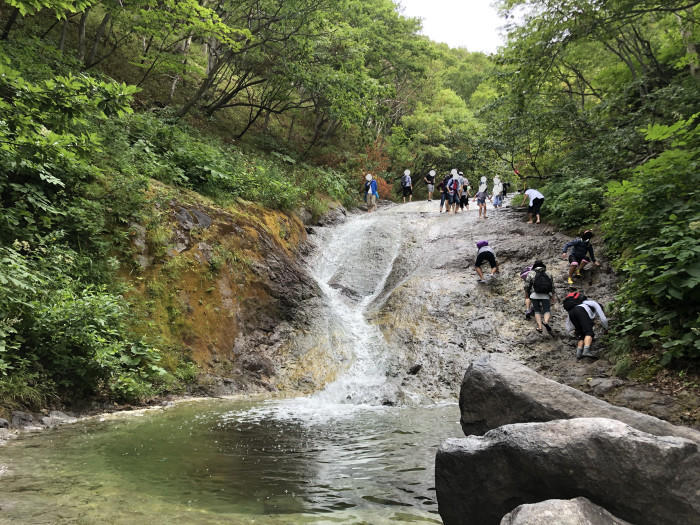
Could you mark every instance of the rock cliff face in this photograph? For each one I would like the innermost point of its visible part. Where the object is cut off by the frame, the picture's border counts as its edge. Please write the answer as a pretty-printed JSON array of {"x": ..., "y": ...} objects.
[{"x": 224, "y": 285}]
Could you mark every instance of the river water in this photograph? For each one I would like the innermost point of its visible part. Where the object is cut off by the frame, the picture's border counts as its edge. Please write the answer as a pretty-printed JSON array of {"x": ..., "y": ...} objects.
[{"x": 339, "y": 456}]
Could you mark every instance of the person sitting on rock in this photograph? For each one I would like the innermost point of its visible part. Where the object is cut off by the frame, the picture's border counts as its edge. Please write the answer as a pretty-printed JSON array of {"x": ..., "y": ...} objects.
[
  {"x": 582, "y": 313},
  {"x": 539, "y": 287},
  {"x": 485, "y": 253},
  {"x": 581, "y": 247}
]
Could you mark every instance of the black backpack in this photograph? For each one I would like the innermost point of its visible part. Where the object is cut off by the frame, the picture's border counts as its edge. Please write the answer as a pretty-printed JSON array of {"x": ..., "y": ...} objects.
[
  {"x": 542, "y": 283},
  {"x": 572, "y": 300}
]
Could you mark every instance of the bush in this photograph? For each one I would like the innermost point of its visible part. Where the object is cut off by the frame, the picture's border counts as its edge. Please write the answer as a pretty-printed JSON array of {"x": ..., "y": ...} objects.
[
  {"x": 653, "y": 229},
  {"x": 575, "y": 201}
]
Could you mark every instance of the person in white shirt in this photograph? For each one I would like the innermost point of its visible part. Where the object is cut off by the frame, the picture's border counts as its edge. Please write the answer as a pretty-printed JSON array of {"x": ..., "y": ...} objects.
[{"x": 536, "y": 200}]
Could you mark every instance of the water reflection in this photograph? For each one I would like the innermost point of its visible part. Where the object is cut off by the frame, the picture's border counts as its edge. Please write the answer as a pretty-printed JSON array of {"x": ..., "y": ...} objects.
[{"x": 233, "y": 463}]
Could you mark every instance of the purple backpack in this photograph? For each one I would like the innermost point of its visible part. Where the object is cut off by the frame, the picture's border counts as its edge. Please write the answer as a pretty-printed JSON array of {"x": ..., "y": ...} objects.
[{"x": 523, "y": 274}]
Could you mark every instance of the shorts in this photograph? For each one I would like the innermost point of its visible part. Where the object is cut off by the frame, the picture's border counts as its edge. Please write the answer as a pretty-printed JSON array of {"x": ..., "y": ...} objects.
[
  {"x": 536, "y": 205},
  {"x": 371, "y": 199},
  {"x": 464, "y": 201},
  {"x": 454, "y": 198},
  {"x": 431, "y": 188},
  {"x": 486, "y": 256},
  {"x": 480, "y": 201},
  {"x": 542, "y": 306},
  {"x": 582, "y": 323},
  {"x": 575, "y": 261},
  {"x": 407, "y": 190}
]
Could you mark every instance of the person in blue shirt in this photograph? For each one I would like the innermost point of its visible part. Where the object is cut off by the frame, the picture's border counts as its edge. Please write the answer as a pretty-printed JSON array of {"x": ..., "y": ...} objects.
[
  {"x": 581, "y": 249},
  {"x": 371, "y": 193}
]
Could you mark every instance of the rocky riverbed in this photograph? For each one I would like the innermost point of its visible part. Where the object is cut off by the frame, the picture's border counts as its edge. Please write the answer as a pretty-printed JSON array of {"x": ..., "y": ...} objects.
[{"x": 436, "y": 317}]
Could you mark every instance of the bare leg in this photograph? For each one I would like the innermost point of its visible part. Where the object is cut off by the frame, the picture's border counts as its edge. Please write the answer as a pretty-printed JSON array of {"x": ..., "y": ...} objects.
[
  {"x": 480, "y": 272},
  {"x": 538, "y": 319}
]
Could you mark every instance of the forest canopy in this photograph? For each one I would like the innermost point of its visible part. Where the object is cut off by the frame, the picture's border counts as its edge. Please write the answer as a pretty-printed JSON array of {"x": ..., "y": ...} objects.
[{"x": 284, "y": 102}]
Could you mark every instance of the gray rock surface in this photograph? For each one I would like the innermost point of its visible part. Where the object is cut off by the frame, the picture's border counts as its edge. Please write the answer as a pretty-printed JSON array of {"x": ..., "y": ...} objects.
[
  {"x": 21, "y": 419},
  {"x": 497, "y": 390},
  {"x": 4, "y": 423},
  {"x": 56, "y": 418},
  {"x": 577, "y": 511},
  {"x": 637, "y": 476}
]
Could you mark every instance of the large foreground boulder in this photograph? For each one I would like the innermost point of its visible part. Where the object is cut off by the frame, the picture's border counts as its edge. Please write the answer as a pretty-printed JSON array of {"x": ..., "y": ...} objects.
[
  {"x": 639, "y": 477},
  {"x": 577, "y": 511},
  {"x": 497, "y": 390}
]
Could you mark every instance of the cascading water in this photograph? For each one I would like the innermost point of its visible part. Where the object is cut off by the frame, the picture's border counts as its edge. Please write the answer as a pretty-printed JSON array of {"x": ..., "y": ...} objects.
[{"x": 339, "y": 456}]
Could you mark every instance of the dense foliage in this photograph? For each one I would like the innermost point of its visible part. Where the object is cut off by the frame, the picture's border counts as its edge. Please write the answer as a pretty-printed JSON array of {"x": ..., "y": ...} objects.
[{"x": 289, "y": 102}]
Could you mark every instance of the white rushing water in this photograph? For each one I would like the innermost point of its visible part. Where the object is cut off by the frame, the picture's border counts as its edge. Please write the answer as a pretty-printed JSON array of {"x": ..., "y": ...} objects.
[{"x": 351, "y": 266}]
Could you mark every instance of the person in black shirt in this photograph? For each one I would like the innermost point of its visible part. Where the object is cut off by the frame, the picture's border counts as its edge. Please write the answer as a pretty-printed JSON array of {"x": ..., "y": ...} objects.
[{"x": 430, "y": 182}]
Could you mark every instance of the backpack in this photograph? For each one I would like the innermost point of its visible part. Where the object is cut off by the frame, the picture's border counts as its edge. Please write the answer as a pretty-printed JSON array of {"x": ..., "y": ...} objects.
[
  {"x": 405, "y": 181},
  {"x": 542, "y": 283},
  {"x": 453, "y": 185},
  {"x": 523, "y": 274},
  {"x": 572, "y": 300}
]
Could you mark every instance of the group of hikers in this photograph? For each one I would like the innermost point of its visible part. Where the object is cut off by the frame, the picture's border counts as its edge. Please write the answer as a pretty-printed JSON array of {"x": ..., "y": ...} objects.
[
  {"x": 455, "y": 192},
  {"x": 540, "y": 292}
]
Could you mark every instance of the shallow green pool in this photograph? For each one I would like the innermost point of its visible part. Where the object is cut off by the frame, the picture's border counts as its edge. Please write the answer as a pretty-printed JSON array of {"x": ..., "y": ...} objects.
[{"x": 273, "y": 462}]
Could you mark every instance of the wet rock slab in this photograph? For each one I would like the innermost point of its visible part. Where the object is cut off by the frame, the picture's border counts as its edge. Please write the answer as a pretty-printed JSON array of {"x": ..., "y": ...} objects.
[
  {"x": 637, "y": 476},
  {"x": 497, "y": 390},
  {"x": 577, "y": 511}
]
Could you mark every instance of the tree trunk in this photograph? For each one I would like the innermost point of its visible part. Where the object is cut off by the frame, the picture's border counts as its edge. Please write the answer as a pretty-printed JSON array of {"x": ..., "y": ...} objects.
[
  {"x": 98, "y": 38},
  {"x": 10, "y": 22},
  {"x": 64, "y": 33},
  {"x": 82, "y": 42},
  {"x": 690, "y": 46}
]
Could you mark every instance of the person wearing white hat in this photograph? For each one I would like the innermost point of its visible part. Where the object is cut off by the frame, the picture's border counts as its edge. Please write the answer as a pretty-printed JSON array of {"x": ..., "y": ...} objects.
[
  {"x": 371, "y": 193},
  {"x": 407, "y": 185},
  {"x": 430, "y": 183}
]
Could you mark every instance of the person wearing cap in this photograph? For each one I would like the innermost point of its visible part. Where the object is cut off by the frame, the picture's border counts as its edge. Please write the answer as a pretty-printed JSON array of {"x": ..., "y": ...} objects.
[
  {"x": 480, "y": 198},
  {"x": 485, "y": 254},
  {"x": 581, "y": 248},
  {"x": 536, "y": 200},
  {"x": 430, "y": 183},
  {"x": 371, "y": 193},
  {"x": 407, "y": 185},
  {"x": 539, "y": 288},
  {"x": 464, "y": 196},
  {"x": 453, "y": 190}
]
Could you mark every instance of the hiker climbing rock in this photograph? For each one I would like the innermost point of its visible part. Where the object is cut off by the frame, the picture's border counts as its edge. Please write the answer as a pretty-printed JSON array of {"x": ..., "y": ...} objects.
[
  {"x": 453, "y": 191},
  {"x": 429, "y": 180},
  {"x": 536, "y": 200},
  {"x": 580, "y": 248},
  {"x": 485, "y": 254},
  {"x": 582, "y": 313},
  {"x": 371, "y": 194},
  {"x": 539, "y": 287},
  {"x": 407, "y": 185},
  {"x": 480, "y": 199}
]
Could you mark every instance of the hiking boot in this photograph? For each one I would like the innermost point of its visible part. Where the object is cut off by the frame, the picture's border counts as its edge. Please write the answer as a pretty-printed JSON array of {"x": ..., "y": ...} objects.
[
  {"x": 589, "y": 353},
  {"x": 570, "y": 280},
  {"x": 579, "y": 353}
]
